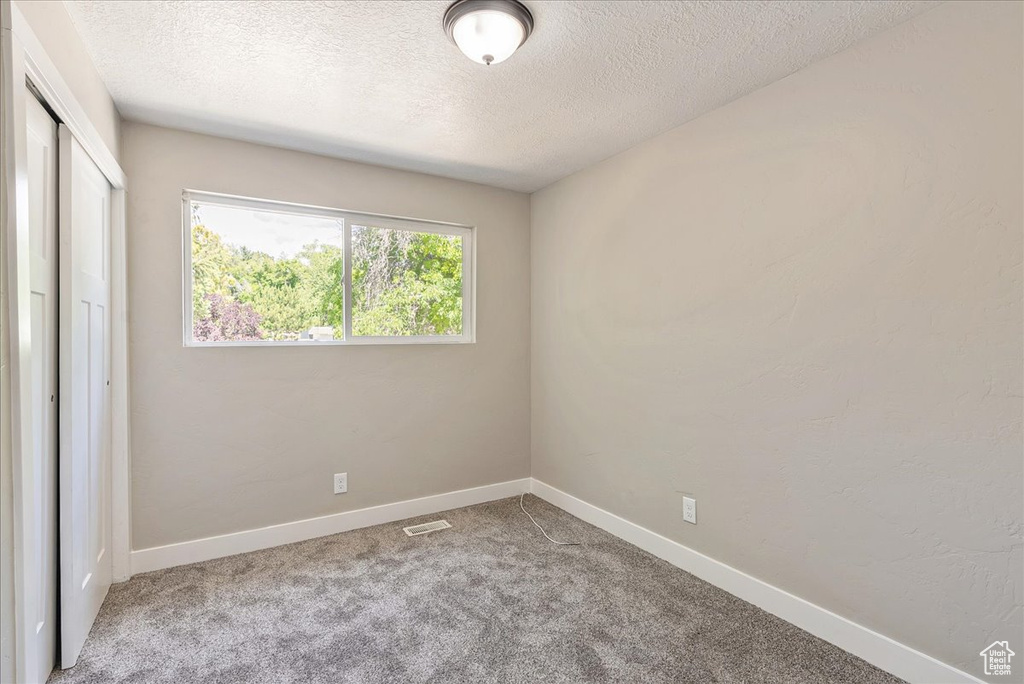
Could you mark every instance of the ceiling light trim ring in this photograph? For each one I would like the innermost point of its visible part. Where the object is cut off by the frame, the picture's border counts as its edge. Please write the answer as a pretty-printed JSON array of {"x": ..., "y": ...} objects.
[{"x": 513, "y": 8}]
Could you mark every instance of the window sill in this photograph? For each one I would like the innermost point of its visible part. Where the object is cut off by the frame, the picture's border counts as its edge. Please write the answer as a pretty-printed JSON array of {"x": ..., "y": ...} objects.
[{"x": 354, "y": 342}]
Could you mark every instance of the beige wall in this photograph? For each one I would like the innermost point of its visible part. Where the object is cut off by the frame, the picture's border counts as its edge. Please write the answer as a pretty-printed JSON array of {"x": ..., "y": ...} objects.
[
  {"x": 805, "y": 310},
  {"x": 229, "y": 439},
  {"x": 52, "y": 25}
]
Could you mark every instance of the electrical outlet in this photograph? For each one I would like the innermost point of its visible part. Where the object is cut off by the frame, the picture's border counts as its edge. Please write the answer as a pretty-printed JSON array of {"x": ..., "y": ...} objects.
[
  {"x": 340, "y": 483},
  {"x": 690, "y": 510}
]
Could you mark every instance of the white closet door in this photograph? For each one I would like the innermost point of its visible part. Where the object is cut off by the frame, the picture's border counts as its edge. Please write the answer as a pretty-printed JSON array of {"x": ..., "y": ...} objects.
[
  {"x": 85, "y": 560},
  {"x": 41, "y": 522}
]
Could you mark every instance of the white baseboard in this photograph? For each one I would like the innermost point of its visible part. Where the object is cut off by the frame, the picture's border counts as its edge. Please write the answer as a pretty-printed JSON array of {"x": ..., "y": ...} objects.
[
  {"x": 875, "y": 648},
  {"x": 159, "y": 557},
  {"x": 881, "y": 651}
]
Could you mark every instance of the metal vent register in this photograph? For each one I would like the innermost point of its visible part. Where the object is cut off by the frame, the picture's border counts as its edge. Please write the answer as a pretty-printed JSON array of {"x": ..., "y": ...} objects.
[{"x": 427, "y": 527}]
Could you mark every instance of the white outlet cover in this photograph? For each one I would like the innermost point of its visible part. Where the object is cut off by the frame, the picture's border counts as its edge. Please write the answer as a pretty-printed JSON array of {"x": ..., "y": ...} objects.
[
  {"x": 690, "y": 510},
  {"x": 340, "y": 483}
]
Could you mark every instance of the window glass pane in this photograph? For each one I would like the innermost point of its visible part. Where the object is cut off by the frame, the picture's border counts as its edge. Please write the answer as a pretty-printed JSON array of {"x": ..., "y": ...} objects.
[
  {"x": 263, "y": 275},
  {"x": 405, "y": 282}
]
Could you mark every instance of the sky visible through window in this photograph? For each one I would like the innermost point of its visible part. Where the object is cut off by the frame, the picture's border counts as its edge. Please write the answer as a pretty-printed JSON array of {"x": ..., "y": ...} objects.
[{"x": 270, "y": 232}]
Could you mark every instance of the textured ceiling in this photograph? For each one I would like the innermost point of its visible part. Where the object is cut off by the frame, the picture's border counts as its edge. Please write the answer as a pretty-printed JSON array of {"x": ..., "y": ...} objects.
[{"x": 379, "y": 82}]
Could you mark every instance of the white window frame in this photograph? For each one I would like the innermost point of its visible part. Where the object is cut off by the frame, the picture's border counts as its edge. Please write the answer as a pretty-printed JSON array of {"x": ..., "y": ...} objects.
[{"x": 348, "y": 219}]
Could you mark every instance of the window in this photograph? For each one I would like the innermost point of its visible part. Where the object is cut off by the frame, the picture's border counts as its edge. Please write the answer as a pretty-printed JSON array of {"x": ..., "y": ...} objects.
[{"x": 259, "y": 272}]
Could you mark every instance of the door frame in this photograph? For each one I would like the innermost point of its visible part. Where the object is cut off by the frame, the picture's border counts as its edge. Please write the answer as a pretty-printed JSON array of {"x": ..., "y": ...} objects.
[{"x": 22, "y": 60}]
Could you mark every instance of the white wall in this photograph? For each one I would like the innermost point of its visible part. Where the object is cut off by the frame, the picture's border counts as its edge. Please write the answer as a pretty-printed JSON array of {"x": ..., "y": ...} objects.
[
  {"x": 230, "y": 439},
  {"x": 805, "y": 310}
]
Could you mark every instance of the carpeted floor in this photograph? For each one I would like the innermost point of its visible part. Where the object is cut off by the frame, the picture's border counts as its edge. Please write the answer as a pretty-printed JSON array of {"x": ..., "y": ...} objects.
[{"x": 489, "y": 600}]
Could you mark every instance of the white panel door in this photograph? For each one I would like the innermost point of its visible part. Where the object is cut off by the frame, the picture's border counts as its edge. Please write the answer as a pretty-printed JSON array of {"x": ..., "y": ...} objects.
[
  {"x": 85, "y": 555},
  {"x": 41, "y": 519}
]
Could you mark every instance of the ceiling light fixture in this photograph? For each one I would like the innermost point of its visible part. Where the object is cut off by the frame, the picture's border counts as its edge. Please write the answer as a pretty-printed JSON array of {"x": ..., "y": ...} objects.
[{"x": 488, "y": 31}]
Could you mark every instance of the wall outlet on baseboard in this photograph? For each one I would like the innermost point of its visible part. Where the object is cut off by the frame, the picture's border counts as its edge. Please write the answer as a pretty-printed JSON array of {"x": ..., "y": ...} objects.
[
  {"x": 340, "y": 483},
  {"x": 690, "y": 509}
]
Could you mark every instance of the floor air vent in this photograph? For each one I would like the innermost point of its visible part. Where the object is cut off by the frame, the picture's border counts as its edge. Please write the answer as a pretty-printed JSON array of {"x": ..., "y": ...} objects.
[{"x": 427, "y": 527}]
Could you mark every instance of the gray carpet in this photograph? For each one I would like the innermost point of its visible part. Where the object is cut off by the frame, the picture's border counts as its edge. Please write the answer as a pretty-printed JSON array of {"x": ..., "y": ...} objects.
[{"x": 489, "y": 600}]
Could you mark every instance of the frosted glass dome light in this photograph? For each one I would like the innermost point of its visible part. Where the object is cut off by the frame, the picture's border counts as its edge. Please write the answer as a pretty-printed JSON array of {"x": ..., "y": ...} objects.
[{"x": 488, "y": 31}]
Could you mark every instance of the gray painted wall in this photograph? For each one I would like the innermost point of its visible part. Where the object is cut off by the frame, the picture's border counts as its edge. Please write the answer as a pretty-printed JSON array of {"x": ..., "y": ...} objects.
[
  {"x": 229, "y": 439},
  {"x": 805, "y": 310}
]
